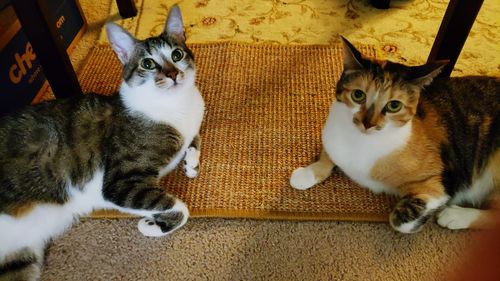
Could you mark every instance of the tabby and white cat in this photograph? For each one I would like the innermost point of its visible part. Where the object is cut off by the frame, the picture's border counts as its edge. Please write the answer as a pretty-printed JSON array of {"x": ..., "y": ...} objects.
[
  {"x": 434, "y": 142},
  {"x": 65, "y": 158}
]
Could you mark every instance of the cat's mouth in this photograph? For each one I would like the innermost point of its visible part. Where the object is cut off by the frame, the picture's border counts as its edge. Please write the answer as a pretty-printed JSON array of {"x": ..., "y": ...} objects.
[
  {"x": 366, "y": 128},
  {"x": 167, "y": 83}
]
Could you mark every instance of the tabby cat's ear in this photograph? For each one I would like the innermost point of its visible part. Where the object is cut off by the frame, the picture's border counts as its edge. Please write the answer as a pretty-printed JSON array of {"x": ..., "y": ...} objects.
[
  {"x": 121, "y": 41},
  {"x": 352, "y": 57},
  {"x": 174, "y": 26},
  {"x": 423, "y": 75}
]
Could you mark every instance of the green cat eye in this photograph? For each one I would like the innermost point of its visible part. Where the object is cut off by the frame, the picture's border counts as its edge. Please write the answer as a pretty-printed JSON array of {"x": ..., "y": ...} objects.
[
  {"x": 394, "y": 106},
  {"x": 177, "y": 55},
  {"x": 358, "y": 96},
  {"x": 148, "y": 64}
]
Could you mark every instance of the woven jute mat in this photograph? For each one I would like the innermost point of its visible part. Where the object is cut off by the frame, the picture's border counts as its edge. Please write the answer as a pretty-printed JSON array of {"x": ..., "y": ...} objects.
[{"x": 265, "y": 109}]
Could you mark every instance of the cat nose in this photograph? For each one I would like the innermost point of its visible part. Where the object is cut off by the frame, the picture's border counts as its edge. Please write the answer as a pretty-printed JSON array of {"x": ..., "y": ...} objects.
[
  {"x": 367, "y": 123},
  {"x": 170, "y": 71},
  {"x": 172, "y": 74},
  {"x": 367, "y": 119}
]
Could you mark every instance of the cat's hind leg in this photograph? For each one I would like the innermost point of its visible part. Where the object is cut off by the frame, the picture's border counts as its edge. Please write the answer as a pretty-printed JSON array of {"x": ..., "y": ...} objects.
[
  {"x": 456, "y": 217},
  {"x": 484, "y": 192},
  {"x": 23, "y": 265},
  {"x": 191, "y": 163},
  {"x": 306, "y": 177}
]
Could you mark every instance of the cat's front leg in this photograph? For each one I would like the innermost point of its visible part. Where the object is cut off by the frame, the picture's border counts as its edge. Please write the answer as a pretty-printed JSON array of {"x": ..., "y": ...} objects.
[
  {"x": 191, "y": 163},
  {"x": 306, "y": 177},
  {"x": 419, "y": 203},
  {"x": 135, "y": 192}
]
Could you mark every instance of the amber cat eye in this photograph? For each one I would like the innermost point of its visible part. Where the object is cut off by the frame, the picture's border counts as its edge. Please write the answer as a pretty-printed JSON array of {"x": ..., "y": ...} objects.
[
  {"x": 394, "y": 106},
  {"x": 148, "y": 64},
  {"x": 177, "y": 55},
  {"x": 358, "y": 96}
]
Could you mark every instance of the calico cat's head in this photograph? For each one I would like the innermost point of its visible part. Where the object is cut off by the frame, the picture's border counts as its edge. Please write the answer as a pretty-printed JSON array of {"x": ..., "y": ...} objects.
[
  {"x": 157, "y": 63},
  {"x": 379, "y": 93}
]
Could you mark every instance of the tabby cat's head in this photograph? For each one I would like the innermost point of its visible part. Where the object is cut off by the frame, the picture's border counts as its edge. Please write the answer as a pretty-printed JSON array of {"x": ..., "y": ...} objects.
[
  {"x": 381, "y": 92},
  {"x": 163, "y": 62}
]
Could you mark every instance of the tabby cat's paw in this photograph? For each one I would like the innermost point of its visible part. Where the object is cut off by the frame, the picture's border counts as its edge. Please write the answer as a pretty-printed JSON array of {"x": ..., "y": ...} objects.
[
  {"x": 455, "y": 217},
  {"x": 302, "y": 179},
  {"x": 192, "y": 162},
  {"x": 149, "y": 228},
  {"x": 164, "y": 223}
]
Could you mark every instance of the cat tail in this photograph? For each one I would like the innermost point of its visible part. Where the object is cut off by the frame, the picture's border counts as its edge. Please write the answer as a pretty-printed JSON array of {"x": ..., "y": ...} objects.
[
  {"x": 163, "y": 212},
  {"x": 23, "y": 265}
]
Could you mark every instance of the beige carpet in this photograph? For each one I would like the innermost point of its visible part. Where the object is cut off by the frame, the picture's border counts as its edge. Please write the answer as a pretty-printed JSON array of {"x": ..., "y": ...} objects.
[
  {"x": 236, "y": 249},
  {"x": 217, "y": 249}
]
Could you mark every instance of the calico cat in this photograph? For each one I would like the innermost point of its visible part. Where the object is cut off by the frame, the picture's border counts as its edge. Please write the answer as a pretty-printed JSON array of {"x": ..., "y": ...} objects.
[
  {"x": 432, "y": 141},
  {"x": 65, "y": 158}
]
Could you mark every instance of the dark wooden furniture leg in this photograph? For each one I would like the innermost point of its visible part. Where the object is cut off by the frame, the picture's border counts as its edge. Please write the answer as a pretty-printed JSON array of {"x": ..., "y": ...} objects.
[
  {"x": 455, "y": 27},
  {"x": 381, "y": 4},
  {"x": 126, "y": 8},
  {"x": 41, "y": 31}
]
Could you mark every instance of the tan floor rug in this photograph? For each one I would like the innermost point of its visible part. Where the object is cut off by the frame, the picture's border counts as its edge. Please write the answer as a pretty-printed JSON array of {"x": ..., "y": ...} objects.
[{"x": 266, "y": 105}]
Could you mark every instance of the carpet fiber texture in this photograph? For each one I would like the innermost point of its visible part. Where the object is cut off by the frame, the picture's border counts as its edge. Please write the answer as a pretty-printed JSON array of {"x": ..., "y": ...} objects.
[
  {"x": 251, "y": 250},
  {"x": 266, "y": 105}
]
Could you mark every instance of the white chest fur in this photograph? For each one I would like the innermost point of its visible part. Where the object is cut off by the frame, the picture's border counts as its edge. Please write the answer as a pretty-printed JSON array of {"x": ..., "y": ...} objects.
[
  {"x": 182, "y": 108},
  {"x": 356, "y": 152}
]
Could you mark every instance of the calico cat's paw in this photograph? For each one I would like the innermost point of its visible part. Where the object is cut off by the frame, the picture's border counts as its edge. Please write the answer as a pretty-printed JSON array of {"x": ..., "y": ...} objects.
[
  {"x": 164, "y": 223},
  {"x": 192, "y": 162},
  {"x": 302, "y": 178},
  {"x": 456, "y": 217},
  {"x": 409, "y": 215}
]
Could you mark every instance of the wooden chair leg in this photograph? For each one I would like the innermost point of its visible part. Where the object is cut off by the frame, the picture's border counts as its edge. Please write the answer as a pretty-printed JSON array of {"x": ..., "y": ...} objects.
[
  {"x": 40, "y": 29},
  {"x": 455, "y": 27},
  {"x": 381, "y": 4},
  {"x": 126, "y": 8}
]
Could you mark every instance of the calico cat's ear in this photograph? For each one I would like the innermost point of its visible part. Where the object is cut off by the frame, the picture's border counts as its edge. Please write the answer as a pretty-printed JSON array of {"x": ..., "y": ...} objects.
[
  {"x": 121, "y": 41},
  {"x": 174, "y": 26},
  {"x": 423, "y": 75},
  {"x": 352, "y": 57}
]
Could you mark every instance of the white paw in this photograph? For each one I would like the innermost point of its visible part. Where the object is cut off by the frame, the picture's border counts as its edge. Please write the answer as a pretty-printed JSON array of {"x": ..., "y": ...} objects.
[
  {"x": 302, "y": 179},
  {"x": 191, "y": 162},
  {"x": 409, "y": 227},
  {"x": 455, "y": 217},
  {"x": 149, "y": 228}
]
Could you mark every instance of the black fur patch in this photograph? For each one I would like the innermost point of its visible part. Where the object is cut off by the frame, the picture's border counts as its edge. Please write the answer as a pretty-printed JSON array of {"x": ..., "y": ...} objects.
[
  {"x": 465, "y": 105},
  {"x": 168, "y": 221}
]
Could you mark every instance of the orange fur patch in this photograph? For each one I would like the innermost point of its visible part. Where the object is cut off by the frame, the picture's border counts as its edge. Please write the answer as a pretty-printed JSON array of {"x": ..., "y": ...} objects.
[
  {"x": 22, "y": 210},
  {"x": 493, "y": 167},
  {"x": 417, "y": 168}
]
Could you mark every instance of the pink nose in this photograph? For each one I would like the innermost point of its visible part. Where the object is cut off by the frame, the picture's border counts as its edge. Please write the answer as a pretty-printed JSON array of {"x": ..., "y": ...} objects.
[{"x": 172, "y": 74}]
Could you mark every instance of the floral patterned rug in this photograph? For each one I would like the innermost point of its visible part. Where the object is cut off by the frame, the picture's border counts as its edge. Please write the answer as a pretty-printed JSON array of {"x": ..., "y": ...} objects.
[{"x": 403, "y": 33}]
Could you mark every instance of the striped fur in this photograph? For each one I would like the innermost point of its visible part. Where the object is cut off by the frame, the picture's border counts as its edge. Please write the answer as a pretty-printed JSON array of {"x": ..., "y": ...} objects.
[{"x": 62, "y": 159}]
